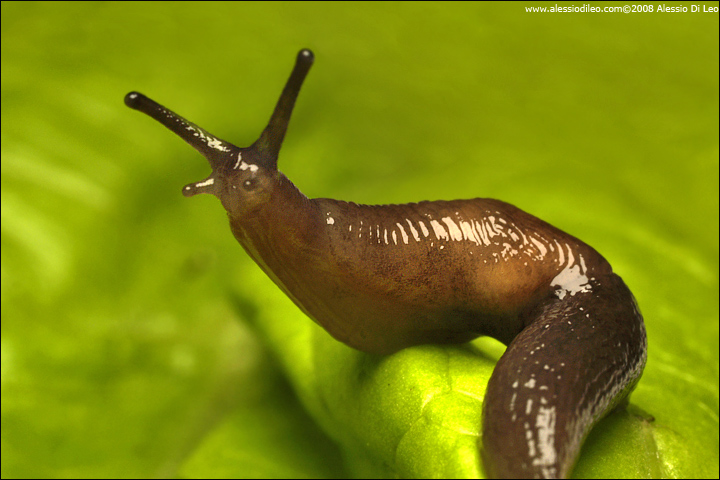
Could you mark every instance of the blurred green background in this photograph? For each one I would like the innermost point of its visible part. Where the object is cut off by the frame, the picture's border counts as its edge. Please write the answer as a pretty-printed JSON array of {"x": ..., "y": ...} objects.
[{"x": 138, "y": 339}]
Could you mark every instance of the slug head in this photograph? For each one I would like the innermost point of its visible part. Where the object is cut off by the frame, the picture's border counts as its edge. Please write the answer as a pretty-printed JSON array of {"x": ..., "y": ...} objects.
[{"x": 242, "y": 178}]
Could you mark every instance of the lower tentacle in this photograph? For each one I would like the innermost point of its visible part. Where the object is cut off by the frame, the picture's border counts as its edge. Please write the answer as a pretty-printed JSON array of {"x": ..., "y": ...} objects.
[{"x": 578, "y": 357}]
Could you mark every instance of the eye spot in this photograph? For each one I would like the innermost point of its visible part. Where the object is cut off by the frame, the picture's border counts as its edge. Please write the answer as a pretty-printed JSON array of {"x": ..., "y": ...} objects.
[{"x": 249, "y": 184}]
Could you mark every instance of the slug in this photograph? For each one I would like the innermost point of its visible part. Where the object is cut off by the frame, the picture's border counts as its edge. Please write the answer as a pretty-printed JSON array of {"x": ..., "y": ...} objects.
[{"x": 381, "y": 278}]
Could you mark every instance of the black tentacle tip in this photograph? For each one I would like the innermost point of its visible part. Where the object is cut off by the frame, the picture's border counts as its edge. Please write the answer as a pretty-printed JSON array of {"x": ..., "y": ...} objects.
[
  {"x": 190, "y": 190},
  {"x": 133, "y": 99},
  {"x": 306, "y": 56}
]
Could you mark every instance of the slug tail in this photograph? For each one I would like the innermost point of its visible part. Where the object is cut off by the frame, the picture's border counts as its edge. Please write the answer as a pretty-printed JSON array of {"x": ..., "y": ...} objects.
[{"x": 578, "y": 358}]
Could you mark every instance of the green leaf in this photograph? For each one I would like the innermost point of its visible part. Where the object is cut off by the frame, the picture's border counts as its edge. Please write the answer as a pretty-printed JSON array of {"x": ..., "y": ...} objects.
[{"x": 139, "y": 340}]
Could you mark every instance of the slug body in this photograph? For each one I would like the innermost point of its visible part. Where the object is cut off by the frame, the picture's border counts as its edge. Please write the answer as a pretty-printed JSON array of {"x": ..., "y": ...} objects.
[{"x": 384, "y": 278}]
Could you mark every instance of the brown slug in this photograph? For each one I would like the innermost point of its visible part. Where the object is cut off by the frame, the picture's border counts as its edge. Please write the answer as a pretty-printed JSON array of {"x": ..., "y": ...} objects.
[{"x": 381, "y": 278}]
